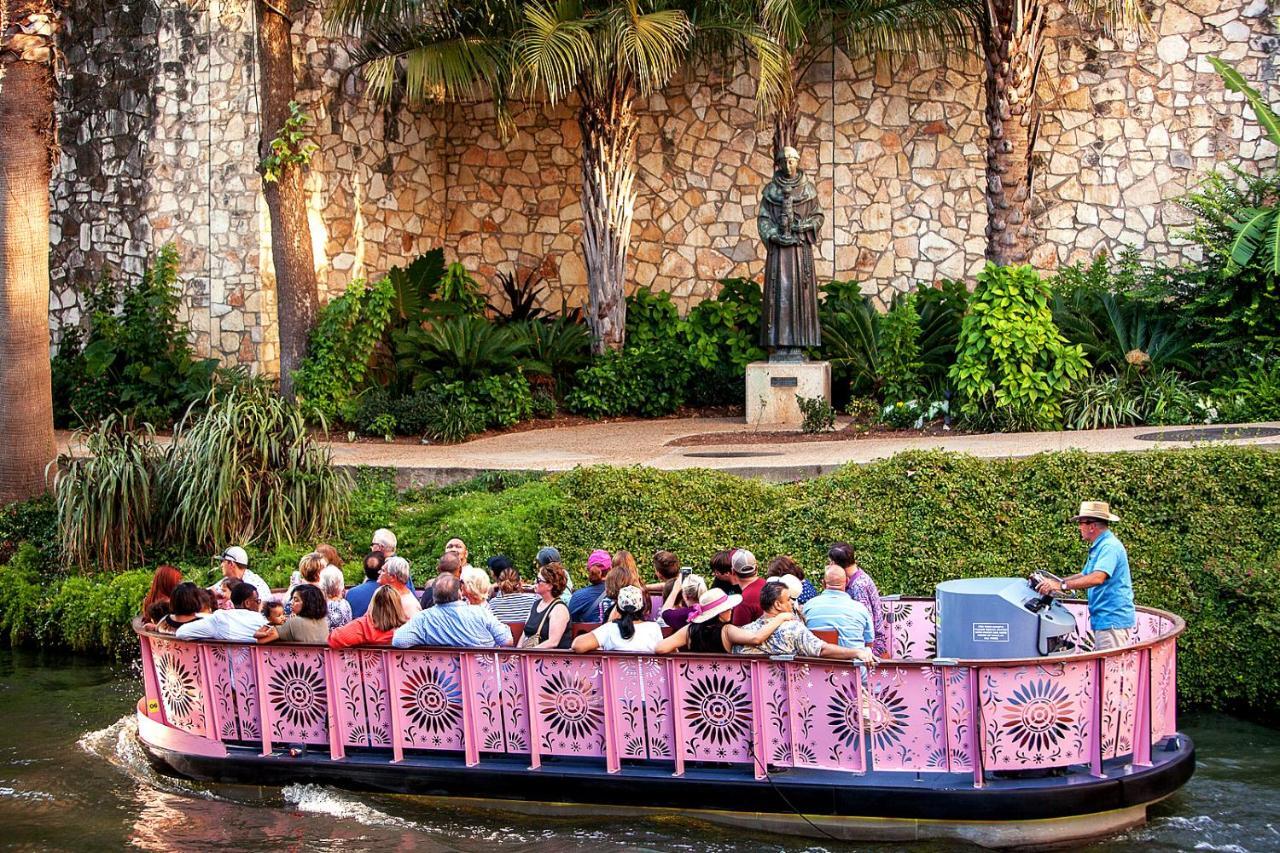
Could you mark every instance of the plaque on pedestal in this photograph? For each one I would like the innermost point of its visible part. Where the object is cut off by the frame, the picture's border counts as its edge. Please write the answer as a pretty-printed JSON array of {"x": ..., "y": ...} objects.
[{"x": 773, "y": 386}]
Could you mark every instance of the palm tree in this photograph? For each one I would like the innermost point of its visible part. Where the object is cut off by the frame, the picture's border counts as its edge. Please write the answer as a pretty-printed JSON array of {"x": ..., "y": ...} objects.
[
  {"x": 606, "y": 53},
  {"x": 1012, "y": 35},
  {"x": 296, "y": 298},
  {"x": 806, "y": 29},
  {"x": 28, "y": 149}
]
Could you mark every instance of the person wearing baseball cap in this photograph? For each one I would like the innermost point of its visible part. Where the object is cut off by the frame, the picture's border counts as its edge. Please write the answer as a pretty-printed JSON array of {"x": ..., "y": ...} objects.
[
  {"x": 1105, "y": 575},
  {"x": 235, "y": 567},
  {"x": 746, "y": 573},
  {"x": 709, "y": 630}
]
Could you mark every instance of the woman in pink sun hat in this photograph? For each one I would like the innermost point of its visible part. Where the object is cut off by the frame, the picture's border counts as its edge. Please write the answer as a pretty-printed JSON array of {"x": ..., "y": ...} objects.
[{"x": 710, "y": 632}]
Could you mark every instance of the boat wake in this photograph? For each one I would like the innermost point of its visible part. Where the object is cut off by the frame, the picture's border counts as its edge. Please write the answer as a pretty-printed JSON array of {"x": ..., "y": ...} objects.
[{"x": 118, "y": 745}]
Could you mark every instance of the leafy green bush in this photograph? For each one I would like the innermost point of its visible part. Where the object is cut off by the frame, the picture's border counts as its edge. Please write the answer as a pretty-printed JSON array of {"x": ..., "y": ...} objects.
[
  {"x": 135, "y": 359},
  {"x": 941, "y": 308},
  {"x": 816, "y": 414},
  {"x": 1251, "y": 393},
  {"x": 722, "y": 338},
  {"x": 341, "y": 347},
  {"x": 652, "y": 318},
  {"x": 505, "y": 400},
  {"x": 1102, "y": 402},
  {"x": 456, "y": 416},
  {"x": 899, "y": 343},
  {"x": 554, "y": 348},
  {"x": 646, "y": 380},
  {"x": 1013, "y": 365},
  {"x": 850, "y": 339},
  {"x": 457, "y": 349}
]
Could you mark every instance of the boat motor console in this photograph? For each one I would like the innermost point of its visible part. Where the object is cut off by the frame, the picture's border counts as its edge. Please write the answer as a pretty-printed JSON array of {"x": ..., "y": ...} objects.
[{"x": 994, "y": 618}]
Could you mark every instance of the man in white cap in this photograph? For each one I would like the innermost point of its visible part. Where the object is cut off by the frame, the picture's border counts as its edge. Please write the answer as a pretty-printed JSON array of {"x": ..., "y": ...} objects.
[
  {"x": 1105, "y": 575},
  {"x": 235, "y": 567}
]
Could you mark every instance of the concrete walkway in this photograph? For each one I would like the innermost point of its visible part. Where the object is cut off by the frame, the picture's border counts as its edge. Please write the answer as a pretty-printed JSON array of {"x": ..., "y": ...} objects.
[{"x": 647, "y": 443}]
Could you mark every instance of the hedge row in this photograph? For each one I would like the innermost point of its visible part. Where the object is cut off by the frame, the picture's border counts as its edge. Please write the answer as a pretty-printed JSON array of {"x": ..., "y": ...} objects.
[{"x": 1202, "y": 527}]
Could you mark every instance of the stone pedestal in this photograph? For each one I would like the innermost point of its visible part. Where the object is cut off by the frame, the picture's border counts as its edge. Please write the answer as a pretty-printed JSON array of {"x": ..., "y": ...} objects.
[{"x": 772, "y": 388}]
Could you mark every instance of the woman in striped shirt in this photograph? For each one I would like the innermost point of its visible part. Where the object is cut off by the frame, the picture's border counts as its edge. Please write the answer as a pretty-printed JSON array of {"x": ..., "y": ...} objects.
[{"x": 511, "y": 603}]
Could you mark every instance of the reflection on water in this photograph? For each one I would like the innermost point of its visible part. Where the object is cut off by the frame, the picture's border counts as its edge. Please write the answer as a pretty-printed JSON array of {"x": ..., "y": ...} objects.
[{"x": 72, "y": 776}]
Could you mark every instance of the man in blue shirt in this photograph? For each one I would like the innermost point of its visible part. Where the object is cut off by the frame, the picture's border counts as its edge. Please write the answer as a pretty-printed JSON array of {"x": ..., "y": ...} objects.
[
  {"x": 452, "y": 622},
  {"x": 360, "y": 596},
  {"x": 835, "y": 608},
  {"x": 1105, "y": 575}
]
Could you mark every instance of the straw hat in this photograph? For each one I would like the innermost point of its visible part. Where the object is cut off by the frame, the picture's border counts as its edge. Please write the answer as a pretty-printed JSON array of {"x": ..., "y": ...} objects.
[
  {"x": 1094, "y": 511},
  {"x": 712, "y": 603}
]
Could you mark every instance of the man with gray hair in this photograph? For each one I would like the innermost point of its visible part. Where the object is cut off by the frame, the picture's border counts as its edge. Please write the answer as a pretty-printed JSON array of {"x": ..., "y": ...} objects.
[
  {"x": 452, "y": 622},
  {"x": 395, "y": 574},
  {"x": 384, "y": 542},
  {"x": 835, "y": 608}
]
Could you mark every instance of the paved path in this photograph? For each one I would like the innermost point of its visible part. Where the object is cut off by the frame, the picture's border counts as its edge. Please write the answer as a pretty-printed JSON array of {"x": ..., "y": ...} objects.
[{"x": 646, "y": 443}]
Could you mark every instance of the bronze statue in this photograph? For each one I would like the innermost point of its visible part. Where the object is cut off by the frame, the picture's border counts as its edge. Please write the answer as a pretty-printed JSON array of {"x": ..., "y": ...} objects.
[{"x": 789, "y": 221}]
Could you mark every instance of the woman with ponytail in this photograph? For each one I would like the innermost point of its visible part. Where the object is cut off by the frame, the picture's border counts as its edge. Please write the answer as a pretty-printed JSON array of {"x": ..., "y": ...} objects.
[{"x": 629, "y": 632}]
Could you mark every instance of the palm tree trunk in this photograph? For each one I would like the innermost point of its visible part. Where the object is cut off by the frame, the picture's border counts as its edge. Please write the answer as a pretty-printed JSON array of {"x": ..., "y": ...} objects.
[
  {"x": 1013, "y": 41},
  {"x": 291, "y": 253},
  {"x": 607, "y": 119},
  {"x": 28, "y": 147},
  {"x": 785, "y": 120}
]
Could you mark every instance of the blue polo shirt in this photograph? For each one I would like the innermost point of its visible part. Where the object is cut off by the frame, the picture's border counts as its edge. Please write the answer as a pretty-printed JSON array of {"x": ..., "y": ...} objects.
[
  {"x": 1111, "y": 602},
  {"x": 835, "y": 608},
  {"x": 360, "y": 596}
]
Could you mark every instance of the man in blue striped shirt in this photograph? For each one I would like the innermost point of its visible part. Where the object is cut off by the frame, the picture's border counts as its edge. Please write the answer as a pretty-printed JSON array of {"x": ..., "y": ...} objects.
[{"x": 452, "y": 622}]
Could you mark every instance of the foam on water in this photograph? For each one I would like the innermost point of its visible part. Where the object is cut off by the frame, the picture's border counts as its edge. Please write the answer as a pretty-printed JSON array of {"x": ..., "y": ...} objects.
[
  {"x": 317, "y": 799},
  {"x": 118, "y": 744}
]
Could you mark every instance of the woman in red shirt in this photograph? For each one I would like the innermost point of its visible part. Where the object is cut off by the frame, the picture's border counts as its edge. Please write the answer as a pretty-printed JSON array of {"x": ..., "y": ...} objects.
[{"x": 375, "y": 627}]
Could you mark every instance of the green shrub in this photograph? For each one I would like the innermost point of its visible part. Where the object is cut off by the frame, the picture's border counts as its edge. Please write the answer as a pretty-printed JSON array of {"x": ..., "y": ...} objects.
[
  {"x": 1103, "y": 401},
  {"x": 135, "y": 359},
  {"x": 505, "y": 400},
  {"x": 457, "y": 349},
  {"x": 722, "y": 336},
  {"x": 1251, "y": 393},
  {"x": 1013, "y": 365},
  {"x": 341, "y": 348},
  {"x": 554, "y": 348},
  {"x": 652, "y": 318},
  {"x": 941, "y": 308},
  {"x": 899, "y": 342},
  {"x": 816, "y": 413},
  {"x": 646, "y": 380},
  {"x": 850, "y": 339},
  {"x": 456, "y": 416}
]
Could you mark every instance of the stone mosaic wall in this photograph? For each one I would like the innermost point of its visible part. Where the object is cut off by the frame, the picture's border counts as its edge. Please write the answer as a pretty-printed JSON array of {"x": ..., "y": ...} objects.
[{"x": 896, "y": 148}]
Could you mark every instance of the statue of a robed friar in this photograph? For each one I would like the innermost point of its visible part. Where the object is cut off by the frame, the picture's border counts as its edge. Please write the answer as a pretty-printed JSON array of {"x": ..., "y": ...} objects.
[{"x": 789, "y": 221}]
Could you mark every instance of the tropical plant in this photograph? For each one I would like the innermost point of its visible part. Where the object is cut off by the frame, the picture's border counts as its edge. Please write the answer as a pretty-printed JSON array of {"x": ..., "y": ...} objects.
[
  {"x": 899, "y": 347},
  {"x": 648, "y": 380},
  {"x": 652, "y": 318},
  {"x": 415, "y": 285},
  {"x": 808, "y": 29},
  {"x": 1013, "y": 365},
  {"x": 248, "y": 470},
  {"x": 554, "y": 348},
  {"x": 106, "y": 499},
  {"x": 1251, "y": 392},
  {"x": 28, "y": 152},
  {"x": 816, "y": 415},
  {"x": 459, "y": 288},
  {"x": 1119, "y": 331},
  {"x": 457, "y": 348},
  {"x": 342, "y": 346},
  {"x": 135, "y": 359},
  {"x": 941, "y": 307},
  {"x": 285, "y": 154},
  {"x": 722, "y": 338},
  {"x": 851, "y": 336},
  {"x": 605, "y": 54},
  {"x": 523, "y": 294},
  {"x": 1102, "y": 402}
]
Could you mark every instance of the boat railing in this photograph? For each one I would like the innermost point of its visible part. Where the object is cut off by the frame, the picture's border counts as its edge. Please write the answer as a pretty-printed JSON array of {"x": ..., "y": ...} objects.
[{"x": 912, "y": 713}]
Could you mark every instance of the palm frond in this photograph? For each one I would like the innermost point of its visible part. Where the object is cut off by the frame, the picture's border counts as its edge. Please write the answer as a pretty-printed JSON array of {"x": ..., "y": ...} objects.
[
  {"x": 1256, "y": 228},
  {"x": 647, "y": 47},
  {"x": 903, "y": 26},
  {"x": 773, "y": 76},
  {"x": 552, "y": 48},
  {"x": 1261, "y": 109},
  {"x": 432, "y": 64},
  {"x": 1116, "y": 16}
]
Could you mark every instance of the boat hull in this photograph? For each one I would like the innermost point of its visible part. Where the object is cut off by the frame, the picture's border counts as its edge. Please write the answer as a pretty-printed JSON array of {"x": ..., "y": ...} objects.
[{"x": 875, "y": 806}]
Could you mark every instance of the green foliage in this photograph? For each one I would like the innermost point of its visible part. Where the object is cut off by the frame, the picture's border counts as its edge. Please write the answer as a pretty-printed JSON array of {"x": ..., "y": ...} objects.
[
  {"x": 901, "y": 414},
  {"x": 457, "y": 349},
  {"x": 1013, "y": 365},
  {"x": 1251, "y": 393},
  {"x": 290, "y": 146},
  {"x": 722, "y": 338},
  {"x": 554, "y": 348},
  {"x": 135, "y": 359},
  {"x": 817, "y": 415},
  {"x": 505, "y": 400},
  {"x": 107, "y": 501},
  {"x": 414, "y": 286},
  {"x": 899, "y": 342},
  {"x": 941, "y": 308},
  {"x": 456, "y": 416},
  {"x": 457, "y": 287},
  {"x": 646, "y": 380},
  {"x": 33, "y": 521},
  {"x": 652, "y": 318},
  {"x": 248, "y": 470},
  {"x": 341, "y": 348},
  {"x": 523, "y": 296},
  {"x": 1102, "y": 402},
  {"x": 850, "y": 337},
  {"x": 863, "y": 410}
]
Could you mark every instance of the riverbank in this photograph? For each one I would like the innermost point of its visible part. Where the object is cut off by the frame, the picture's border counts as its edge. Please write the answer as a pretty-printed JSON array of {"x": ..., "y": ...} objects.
[{"x": 1202, "y": 527}]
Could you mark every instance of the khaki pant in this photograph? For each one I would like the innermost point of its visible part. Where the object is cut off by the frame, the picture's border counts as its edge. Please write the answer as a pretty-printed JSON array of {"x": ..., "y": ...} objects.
[{"x": 1111, "y": 638}]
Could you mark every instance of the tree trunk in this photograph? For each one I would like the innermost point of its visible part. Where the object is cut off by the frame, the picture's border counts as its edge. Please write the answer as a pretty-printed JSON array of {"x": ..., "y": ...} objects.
[
  {"x": 609, "y": 129},
  {"x": 28, "y": 147},
  {"x": 294, "y": 261},
  {"x": 786, "y": 118},
  {"x": 1013, "y": 41}
]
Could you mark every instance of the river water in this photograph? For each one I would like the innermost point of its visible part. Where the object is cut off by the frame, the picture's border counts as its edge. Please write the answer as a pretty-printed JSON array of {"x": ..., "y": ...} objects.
[{"x": 72, "y": 777}]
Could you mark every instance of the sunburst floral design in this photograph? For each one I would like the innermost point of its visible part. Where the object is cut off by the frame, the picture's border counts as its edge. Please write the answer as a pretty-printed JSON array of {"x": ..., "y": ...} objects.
[
  {"x": 887, "y": 717},
  {"x": 1039, "y": 715},
  {"x": 371, "y": 735},
  {"x": 432, "y": 698},
  {"x": 842, "y": 714},
  {"x": 570, "y": 705},
  {"x": 296, "y": 693},
  {"x": 938, "y": 758},
  {"x": 178, "y": 688},
  {"x": 718, "y": 709}
]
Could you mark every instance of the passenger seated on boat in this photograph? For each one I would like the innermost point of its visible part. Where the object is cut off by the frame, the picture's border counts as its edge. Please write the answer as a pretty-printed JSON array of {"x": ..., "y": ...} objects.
[
  {"x": 156, "y": 613},
  {"x": 458, "y": 548},
  {"x": 722, "y": 572},
  {"x": 162, "y": 585},
  {"x": 750, "y": 584},
  {"x": 630, "y": 633},
  {"x": 510, "y": 602},
  {"x": 184, "y": 606},
  {"x": 235, "y": 567},
  {"x": 309, "y": 569},
  {"x": 547, "y": 625},
  {"x": 792, "y": 638},
  {"x": 584, "y": 604},
  {"x": 360, "y": 596},
  {"x": 395, "y": 574},
  {"x": 334, "y": 585},
  {"x": 682, "y": 600},
  {"x": 452, "y": 622},
  {"x": 861, "y": 587},
  {"x": 834, "y": 608},
  {"x": 547, "y": 556},
  {"x": 475, "y": 586},
  {"x": 666, "y": 567},
  {"x": 791, "y": 583},
  {"x": 330, "y": 554},
  {"x": 236, "y": 625},
  {"x": 374, "y": 628},
  {"x": 785, "y": 565},
  {"x": 710, "y": 630},
  {"x": 308, "y": 624},
  {"x": 448, "y": 564},
  {"x": 209, "y": 602},
  {"x": 617, "y": 578},
  {"x": 273, "y": 612},
  {"x": 384, "y": 543}
]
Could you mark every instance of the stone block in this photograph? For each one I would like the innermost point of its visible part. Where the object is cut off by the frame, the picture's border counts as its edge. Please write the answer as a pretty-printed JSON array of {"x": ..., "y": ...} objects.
[{"x": 772, "y": 389}]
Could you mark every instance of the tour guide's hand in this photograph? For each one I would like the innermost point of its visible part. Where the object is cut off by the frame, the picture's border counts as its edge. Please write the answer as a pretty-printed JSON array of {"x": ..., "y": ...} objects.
[{"x": 1046, "y": 587}]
